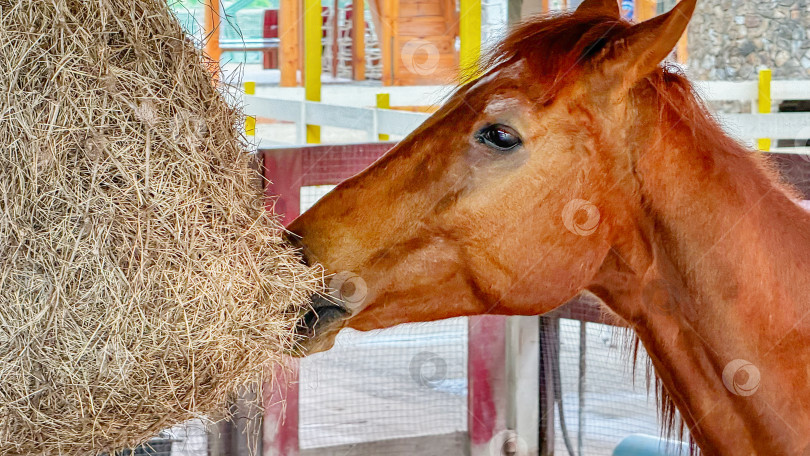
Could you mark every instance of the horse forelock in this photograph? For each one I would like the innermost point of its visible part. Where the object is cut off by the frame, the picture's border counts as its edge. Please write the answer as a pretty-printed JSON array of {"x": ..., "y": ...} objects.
[{"x": 555, "y": 48}]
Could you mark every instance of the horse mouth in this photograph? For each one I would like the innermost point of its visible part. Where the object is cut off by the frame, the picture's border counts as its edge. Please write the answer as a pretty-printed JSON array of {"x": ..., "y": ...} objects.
[{"x": 316, "y": 330}]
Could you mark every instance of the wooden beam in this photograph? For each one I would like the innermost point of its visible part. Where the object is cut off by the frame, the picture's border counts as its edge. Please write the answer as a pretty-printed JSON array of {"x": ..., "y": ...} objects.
[
  {"x": 358, "y": 40},
  {"x": 211, "y": 27},
  {"x": 290, "y": 41}
]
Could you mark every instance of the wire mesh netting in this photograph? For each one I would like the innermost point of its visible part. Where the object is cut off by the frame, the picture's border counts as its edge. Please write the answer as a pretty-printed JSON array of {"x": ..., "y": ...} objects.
[
  {"x": 603, "y": 398},
  {"x": 401, "y": 382},
  {"x": 411, "y": 381}
]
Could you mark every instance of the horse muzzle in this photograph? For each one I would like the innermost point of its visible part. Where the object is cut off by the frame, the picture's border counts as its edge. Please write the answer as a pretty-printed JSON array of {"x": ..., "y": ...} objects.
[{"x": 316, "y": 330}]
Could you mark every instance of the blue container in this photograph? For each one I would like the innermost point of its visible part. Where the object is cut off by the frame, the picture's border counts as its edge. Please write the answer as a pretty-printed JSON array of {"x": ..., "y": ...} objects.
[{"x": 648, "y": 445}]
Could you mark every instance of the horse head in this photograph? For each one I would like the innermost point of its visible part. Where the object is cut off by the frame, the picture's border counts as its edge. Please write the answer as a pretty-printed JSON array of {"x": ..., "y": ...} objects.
[{"x": 511, "y": 197}]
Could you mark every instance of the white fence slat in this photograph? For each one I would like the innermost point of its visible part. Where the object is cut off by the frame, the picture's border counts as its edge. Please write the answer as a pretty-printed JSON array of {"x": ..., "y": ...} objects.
[
  {"x": 339, "y": 116},
  {"x": 790, "y": 90},
  {"x": 402, "y": 123},
  {"x": 388, "y": 121},
  {"x": 727, "y": 90},
  {"x": 781, "y": 125},
  {"x": 289, "y": 110}
]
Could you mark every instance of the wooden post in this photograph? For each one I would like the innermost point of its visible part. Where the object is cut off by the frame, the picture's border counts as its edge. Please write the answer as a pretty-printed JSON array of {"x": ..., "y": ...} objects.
[
  {"x": 211, "y": 27},
  {"x": 383, "y": 102},
  {"x": 645, "y": 9},
  {"x": 764, "y": 103},
  {"x": 358, "y": 40},
  {"x": 312, "y": 41},
  {"x": 335, "y": 37},
  {"x": 523, "y": 385},
  {"x": 470, "y": 36},
  {"x": 548, "y": 361},
  {"x": 682, "y": 50},
  {"x": 290, "y": 42},
  {"x": 386, "y": 34},
  {"x": 250, "y": 121}
]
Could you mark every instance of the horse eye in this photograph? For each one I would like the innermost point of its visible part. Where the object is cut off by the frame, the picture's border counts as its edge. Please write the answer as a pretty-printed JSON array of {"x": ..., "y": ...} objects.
[{"x": 499, "y": 137}]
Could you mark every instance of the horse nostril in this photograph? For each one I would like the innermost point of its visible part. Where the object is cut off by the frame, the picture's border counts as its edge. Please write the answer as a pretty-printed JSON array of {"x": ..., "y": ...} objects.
[
  {"x": 306, "y": 326},
  {"x": 291, "y": 238},
  {"x": 320, "y": 317}
]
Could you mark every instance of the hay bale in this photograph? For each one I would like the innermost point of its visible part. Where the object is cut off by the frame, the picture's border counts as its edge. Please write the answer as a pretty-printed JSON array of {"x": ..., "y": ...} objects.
[{"x": 141, "y": 280}]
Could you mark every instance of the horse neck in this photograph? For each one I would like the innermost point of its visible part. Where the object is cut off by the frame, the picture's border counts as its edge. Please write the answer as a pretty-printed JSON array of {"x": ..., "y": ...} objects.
[{"x": 732, "y": 247}]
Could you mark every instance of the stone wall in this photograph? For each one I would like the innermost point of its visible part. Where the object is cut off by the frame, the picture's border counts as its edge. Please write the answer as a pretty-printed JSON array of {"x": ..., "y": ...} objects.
[{"x": 732, "y": 39}]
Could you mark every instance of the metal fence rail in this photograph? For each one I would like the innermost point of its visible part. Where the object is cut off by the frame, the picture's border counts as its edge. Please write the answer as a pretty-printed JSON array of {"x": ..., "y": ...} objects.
[{"x": 374, "y": 121}]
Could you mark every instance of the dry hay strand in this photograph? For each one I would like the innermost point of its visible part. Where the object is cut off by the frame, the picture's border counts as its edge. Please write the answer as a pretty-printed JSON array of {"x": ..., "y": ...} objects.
[{"x": 141, "y": 280}]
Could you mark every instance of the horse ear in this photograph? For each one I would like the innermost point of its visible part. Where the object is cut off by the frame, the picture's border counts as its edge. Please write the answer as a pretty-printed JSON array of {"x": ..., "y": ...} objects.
[
  {"x": 608, "y": 7},
  {"x": 640, "y": 49}
]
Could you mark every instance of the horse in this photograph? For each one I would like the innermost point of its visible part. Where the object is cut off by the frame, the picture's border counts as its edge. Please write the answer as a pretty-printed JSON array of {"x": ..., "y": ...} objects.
[{"x": 578, "y": 161}]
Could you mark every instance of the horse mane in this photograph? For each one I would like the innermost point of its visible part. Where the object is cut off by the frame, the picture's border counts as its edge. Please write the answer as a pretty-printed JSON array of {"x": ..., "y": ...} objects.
[{"x": 557, "y": 49}]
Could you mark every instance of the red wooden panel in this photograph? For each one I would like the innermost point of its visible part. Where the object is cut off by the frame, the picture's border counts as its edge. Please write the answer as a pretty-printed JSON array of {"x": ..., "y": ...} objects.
[
  {"x": 281, "y": 404},
  {"x": 487, "y": 379},
  {"x": 287, "y": 170},
  {"x": 270, "y": 29},
  {"x": 282, "y": 167},
  {"x": 322, "y": 164}
]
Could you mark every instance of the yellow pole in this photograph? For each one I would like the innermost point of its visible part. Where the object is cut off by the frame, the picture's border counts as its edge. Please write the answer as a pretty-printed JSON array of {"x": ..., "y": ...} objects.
[
  {"x": 470, "y": 37},
  {"x": 383, "y": 102},
  {"x": 764, "y": 103},
  {"x": 312, "y": 60},
  {"x": 250, "y": 121}
]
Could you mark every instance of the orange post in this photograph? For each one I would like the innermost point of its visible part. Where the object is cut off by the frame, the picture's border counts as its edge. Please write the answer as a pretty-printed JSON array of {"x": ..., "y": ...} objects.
[
  {"x": 390, "y": 55},
  {"x": 211, "y": 26},
  {"x": 358, "y": 40},
  {"x": 290, "y": 41}
]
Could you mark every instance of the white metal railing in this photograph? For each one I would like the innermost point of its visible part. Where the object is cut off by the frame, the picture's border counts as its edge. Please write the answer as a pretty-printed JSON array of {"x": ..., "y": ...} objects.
[{"x": 375, "y": 121}]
